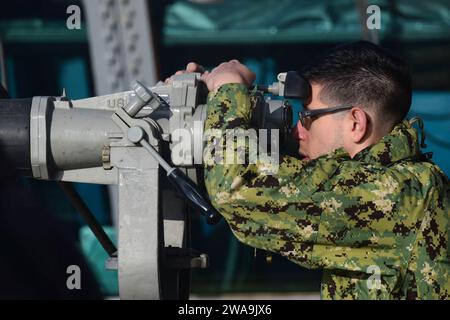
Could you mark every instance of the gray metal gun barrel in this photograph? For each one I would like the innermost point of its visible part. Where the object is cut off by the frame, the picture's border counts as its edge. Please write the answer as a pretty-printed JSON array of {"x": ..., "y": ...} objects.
[
  {"x": 77, "y": 137},
  {"x": 55, "y": 138}
]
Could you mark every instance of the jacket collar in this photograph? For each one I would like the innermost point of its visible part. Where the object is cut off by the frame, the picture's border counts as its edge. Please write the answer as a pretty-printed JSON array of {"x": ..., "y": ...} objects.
[{"x": 401, "y": 143}]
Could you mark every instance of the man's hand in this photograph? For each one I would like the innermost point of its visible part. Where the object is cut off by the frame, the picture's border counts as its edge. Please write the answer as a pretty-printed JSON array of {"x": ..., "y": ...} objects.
[
  {"x": 190, "y": 68},
  {"x": 228, "y": 72}
]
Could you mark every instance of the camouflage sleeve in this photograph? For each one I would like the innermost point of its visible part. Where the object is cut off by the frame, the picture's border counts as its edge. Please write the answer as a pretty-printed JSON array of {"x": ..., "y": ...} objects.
[{"x": 278, "y": 212}]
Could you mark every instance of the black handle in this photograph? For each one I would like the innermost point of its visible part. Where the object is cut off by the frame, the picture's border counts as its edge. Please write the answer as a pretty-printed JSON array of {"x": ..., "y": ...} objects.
[
  {"x": 296, "y": 86},
  {"x": 188, "y": 189},
  {"x": 15, "y": 133}
]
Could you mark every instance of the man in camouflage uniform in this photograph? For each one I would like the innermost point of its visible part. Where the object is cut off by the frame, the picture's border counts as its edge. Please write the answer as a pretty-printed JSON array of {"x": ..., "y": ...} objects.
[{"x": 364, "y": 204}]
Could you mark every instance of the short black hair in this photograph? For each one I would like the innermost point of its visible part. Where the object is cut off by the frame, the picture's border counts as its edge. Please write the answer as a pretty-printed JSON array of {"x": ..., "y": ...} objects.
[{"x": 364, "y": 74}]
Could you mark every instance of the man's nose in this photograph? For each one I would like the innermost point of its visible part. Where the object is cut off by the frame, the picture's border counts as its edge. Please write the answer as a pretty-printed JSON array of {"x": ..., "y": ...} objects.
[{"x": 300, "y": 131}]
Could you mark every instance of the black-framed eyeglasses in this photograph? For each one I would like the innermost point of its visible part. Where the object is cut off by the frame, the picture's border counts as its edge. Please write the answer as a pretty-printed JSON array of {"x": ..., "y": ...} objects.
[{"x": 306, "y": 115}]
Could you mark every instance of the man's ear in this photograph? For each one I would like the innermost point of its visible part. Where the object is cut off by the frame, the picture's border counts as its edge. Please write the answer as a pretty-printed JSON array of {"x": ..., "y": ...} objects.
[{"x": 359, "y": 121}]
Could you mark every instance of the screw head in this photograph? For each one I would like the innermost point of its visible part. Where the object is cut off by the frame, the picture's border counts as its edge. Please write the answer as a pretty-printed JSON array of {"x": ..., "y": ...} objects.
[{"x": 135, "y": 134}]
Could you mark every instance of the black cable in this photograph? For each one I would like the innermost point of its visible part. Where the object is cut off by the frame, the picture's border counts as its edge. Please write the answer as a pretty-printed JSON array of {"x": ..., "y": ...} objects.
[
  {"x": 89, "y": 218},
  {"x": 260, "y": 87}
]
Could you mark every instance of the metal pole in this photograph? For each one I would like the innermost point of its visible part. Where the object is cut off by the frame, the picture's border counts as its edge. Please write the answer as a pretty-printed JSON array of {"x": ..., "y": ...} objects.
[
  {"x": 3, "y": 66},
  {"x": 89, "y": 218}
]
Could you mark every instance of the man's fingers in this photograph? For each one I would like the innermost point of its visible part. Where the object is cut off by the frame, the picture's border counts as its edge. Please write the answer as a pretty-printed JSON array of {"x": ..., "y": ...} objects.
[
  {"x": 168, "y": 80},
  {"x": 191, "y": 67},
  {"x": 194, "y": 67},
  {"x": 205, "y": 75},
  {"x": 227, "y": 72}
]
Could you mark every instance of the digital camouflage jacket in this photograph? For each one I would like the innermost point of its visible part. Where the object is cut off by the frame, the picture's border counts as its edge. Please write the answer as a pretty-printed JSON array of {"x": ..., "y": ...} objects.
[{"x": 377, "y": 224}]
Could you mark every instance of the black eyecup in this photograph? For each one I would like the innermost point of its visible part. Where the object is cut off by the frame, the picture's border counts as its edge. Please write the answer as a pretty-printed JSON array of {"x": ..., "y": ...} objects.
[{"x": 296, "y": 86}]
